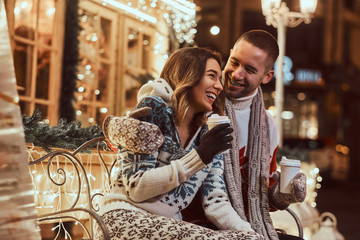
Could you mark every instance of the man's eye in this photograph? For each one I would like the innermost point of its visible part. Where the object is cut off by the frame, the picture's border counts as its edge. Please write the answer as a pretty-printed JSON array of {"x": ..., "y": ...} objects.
[
  {"x": 234, "y": 63},
  {"x": 249, "y": 70}
]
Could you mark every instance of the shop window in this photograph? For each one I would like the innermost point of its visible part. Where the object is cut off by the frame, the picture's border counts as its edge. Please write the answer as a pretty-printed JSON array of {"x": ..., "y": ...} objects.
[
  {"x": 139, "y": 57},
  {"x": 36, "y": 53},
  {"x": 95, "y": 77},
  {"x": 299, "y": 116}
]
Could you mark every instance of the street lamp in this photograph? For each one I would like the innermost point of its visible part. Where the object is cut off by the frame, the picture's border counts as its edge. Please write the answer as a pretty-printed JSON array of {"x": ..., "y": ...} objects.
[{"x": 278, "y": 15}]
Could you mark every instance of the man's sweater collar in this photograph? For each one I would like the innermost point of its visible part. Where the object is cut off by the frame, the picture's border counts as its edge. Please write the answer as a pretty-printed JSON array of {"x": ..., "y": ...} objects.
[{"x": 244, "y": 102}]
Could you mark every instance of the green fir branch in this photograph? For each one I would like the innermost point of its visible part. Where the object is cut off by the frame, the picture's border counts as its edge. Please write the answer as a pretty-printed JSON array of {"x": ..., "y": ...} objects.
[{"x": 66, "y": 135}]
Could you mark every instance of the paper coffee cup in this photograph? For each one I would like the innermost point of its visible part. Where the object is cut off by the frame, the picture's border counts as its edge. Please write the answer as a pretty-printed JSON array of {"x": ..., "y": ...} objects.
[
  {"x": 289, "y": 168},
  {"x": 214, "y": 120}
]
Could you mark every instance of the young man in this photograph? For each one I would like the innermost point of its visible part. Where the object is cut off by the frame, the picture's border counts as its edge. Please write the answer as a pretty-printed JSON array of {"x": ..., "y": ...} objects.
[{"x": 250, "y": 172}]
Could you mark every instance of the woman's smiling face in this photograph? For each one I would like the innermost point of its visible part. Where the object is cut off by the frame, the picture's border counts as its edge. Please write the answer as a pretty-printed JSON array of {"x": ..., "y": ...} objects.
[{"x": 204, "y": 94}]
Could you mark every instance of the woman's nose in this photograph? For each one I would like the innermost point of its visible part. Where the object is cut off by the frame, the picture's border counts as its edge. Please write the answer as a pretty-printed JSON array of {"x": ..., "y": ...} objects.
[{"x": 218, "y": 86}]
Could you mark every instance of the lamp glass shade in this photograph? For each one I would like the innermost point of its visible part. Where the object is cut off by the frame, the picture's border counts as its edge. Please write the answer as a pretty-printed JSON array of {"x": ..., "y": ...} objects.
[
  {"x": 308, "y": 6},
  {"x": 267, "y": 5}
]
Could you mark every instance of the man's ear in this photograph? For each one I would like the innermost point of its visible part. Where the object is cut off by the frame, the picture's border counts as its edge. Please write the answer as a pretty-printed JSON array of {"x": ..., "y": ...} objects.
[{"x": 268, "y": 76}]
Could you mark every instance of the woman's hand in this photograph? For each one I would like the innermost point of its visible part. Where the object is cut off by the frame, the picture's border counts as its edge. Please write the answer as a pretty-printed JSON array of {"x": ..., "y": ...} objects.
[{"x": 215, "y": 141}]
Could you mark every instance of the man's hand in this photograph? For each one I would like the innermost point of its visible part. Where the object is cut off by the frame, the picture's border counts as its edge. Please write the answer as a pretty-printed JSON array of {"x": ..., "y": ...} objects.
[{"x": 281, "y": 200}]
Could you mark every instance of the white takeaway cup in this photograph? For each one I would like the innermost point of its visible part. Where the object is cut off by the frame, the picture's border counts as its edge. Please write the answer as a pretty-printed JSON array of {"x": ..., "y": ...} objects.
[
  {"x": 216, "y": 119},
  {"x": 289, "y": 168}
]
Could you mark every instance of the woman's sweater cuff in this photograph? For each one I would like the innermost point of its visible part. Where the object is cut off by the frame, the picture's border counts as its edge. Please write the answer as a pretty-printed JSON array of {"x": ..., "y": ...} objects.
[{"x": 192, "y": 163}]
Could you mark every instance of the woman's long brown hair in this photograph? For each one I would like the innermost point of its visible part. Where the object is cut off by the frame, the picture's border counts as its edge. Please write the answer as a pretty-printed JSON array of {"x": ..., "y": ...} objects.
[{"x": 184, "y": 70}]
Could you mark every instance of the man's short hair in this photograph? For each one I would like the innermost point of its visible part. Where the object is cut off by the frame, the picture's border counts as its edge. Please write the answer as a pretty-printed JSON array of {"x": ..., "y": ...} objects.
[{"x": 263, "y": 40}]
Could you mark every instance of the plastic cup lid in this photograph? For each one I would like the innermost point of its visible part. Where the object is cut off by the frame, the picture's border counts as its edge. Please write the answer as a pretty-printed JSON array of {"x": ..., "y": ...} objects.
[
  {"x": 290, "y": 162},
  {"x": 217, "y": 118}
]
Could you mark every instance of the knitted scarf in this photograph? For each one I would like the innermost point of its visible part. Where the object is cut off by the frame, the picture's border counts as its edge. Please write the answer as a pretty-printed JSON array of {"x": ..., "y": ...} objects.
[{"x": 258, "y": 153}]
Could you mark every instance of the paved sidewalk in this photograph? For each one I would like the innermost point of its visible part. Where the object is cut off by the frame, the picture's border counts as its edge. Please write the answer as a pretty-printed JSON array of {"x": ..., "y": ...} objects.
[{"x": 343, "y": 200}]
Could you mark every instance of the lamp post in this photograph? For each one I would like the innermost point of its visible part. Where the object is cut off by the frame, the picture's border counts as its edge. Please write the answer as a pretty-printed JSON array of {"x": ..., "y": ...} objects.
[{"x": 278, "y": 15}]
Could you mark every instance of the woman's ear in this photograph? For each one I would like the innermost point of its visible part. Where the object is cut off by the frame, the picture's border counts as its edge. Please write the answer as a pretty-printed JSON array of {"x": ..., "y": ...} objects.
[{"x": 268, "y": 76}]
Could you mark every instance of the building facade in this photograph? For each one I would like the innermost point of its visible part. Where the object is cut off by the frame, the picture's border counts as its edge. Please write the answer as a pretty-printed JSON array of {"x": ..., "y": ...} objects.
[{"x": 98, "y": 52}]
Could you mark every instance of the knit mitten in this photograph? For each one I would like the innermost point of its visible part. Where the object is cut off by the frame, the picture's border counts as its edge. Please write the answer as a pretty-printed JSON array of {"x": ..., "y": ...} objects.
[
  {"x": 281, "y": 200},
  {"x": 132, "y": 134},
  {"x": 215, "y": 141}
]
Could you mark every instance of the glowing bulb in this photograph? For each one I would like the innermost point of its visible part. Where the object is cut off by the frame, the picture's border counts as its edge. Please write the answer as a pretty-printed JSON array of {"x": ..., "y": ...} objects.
[
  {"x": 301, "y": 96},
  {"x": 51, "y": 11},
  {"x": 80, "y": 76},
  {"x": 214, "y": 30},
  {"x": 38, "y": 178},
  {"x": 287, "y": 115},
  {"x": 16, "y": 10},
  {"x": 24, "y": 4},
  {"x": 103, "y": 110}
]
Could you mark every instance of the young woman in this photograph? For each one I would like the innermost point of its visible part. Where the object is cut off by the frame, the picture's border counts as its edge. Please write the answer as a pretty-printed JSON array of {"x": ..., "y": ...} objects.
[{"x": 152, "y": 189}]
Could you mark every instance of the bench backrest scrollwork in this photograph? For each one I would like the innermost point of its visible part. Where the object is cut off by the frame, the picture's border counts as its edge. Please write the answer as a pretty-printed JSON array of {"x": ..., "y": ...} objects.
[{"x": 80, "y": 179}]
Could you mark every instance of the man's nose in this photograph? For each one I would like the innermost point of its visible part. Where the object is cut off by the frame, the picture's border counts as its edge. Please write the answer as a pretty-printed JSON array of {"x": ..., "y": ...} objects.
[{"x": 239, "y": 72}]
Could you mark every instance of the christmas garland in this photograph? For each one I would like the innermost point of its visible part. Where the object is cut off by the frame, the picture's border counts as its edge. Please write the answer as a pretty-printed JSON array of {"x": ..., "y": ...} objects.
[{"x": 66, "y": 135}]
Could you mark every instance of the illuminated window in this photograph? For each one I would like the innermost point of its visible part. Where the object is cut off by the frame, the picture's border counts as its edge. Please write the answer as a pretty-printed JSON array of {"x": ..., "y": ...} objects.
[
  {"x": 95, "y": 77},
  {"x": 37, "y": 53}
]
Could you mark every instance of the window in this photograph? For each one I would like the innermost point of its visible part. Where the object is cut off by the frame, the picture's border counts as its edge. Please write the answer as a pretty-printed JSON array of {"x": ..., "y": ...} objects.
[
  {"x": 299, "y": 116},
  {"x": 36, "y": 37},
  {"x": 139, "y": 52},
  {"x": 95, "y": 78}
]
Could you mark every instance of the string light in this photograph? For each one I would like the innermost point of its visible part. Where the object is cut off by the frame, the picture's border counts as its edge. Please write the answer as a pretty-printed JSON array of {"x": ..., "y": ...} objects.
[
  {"x": 50, "y": 198},
  {"x": 131, "y": 10},
  {"x": 178, "y": 14}
]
